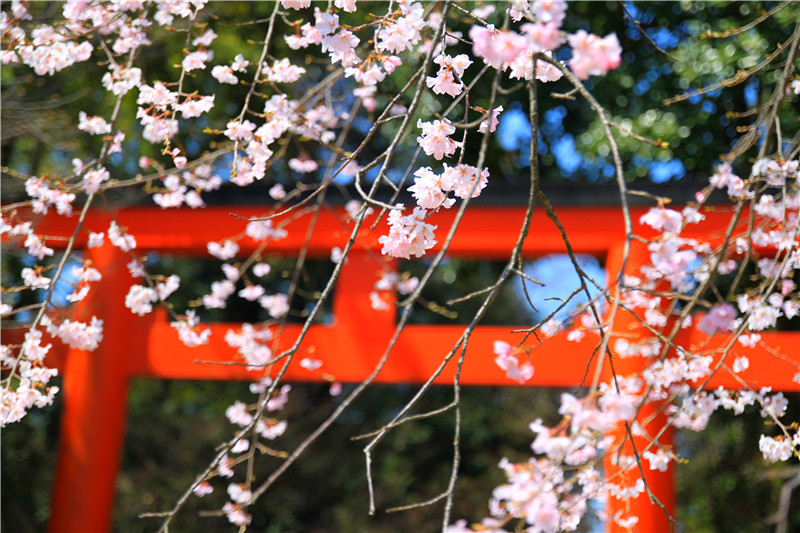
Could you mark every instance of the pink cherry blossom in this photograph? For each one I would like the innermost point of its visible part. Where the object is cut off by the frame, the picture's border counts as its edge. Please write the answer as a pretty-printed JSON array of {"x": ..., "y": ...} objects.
[
  {"x": 593, "y": 56},
  {"x": 252, "y": 292},
  {"x": 194, "y": 107},
  {"x": 435, "y": 138},
  {"x": 224, "y": 74},
  {"x": 408, "y": 235},
  {"x": 549, "y": 11},
  {"x": 261, "y": 269},
  {"x": 491, "y": 123},
  {"x": 775, "y": 449},
  {"x": 188, "y": 332},
  {"x": 310, "y": 364},
  {"x": 224, "y": 251},
  {"x": 140, "y": 299},
  {"x": 342, "y": 42},
  {"x": 296, "y": 4},
  {"x": 282, "y": 71},
  {"x": 93, "y": 125},
  {"x": 444, "y": 82},
  {"x": 303, "y": 165},
  {"x": 658, "y": 460},
  {"x": 276, "y": 304},
  {"x": 157, "y": 95},
  {"x": 235, "y": 513},
  {"x": 507, "y": 360},
  {"x": 196, "y": 60},
  {"x": 120, "y": 239},
  {"x": 402, "y": 34},
  {"x": 662, "y": 219},
  {"x": 461, "y": 180},
  {"x": 543, "y": 36},
  {"x": 740, "y": 364},
  {"x": 428, "y": 190},
  {"x": 497, "y": 47},
  {"x": 240, "y": 131},
  {"x": 277, "y": 192},
  {"x": 203, "y": 488},
  {"x": 121, "y": 80},
  {"x": 205, "y": 39},
  {"x": 95, "y": 240},
  {"x": 345, "y": 5}
]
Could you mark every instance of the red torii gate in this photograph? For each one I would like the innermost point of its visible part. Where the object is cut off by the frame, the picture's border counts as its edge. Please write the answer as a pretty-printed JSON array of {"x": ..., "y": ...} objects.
[{"x": 93, "y": 431}]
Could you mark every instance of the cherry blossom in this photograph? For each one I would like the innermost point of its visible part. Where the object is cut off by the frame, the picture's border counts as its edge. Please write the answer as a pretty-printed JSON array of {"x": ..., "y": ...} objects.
[
  {"x": 445, "y": 82},
  {"x": 404, "y": 32},
  {"x": 435, "y": 138},
  {"x": 549, "y": 11},
  {"x": 593, "y": 56},
  {"x": 196, "y": 60},
  {"x": 775, "y": 450},
  {"x": 261, "y": 269},
  {"x": 507, "y": 361},
  {"x": 276, "y": 304},
  {"x": 296, "y": 4},
  {"x": 310, "y": 364},
  {"x": 719, "y": 318},
  {"x": 490, "y": 124},
  {"x": 235, "y": 513},
  {"x": 662, "y": 219},
  {"x": 303, "y": 165},
  {"x": 202, "y": 489},
  {"x": 224, "y": 251},
  {"x": 240, "y": 131},
  {"x": 462, "y": 179},
  {"x": 34, "y": 280},
  {"x": 94, "y": 178},
  {"x": 77, "y": 334},
  {"x": 194, "y": 107},
  {"x": 658, "y": 460},
  {"x": 282, "y": 71},
  {"x": 428, "y": 190},
  {"x": 206, "y": 39},
  {"x": 224, "y": 74},
  {"x": 121, "y": 80},
  {"x": 497, "y": 47},
  {"x": 93, "y": 125},
  {"x": 188, "y": 332},
  {"x": 408, "y": 235},
  {"x": 140, "y": 299},
  {"x": 252, "y": 292}
]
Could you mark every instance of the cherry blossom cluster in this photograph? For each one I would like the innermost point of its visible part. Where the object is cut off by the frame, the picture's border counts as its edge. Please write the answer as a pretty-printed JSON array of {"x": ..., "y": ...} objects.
[
  {"x": 262, "y": 231},
  {"x": 386, "y": 285},
  {"x": 409, "y": 235},
  {"x": 551, "y": 493},
  {"x": 27, "y": 364},
  {"x": 188, "y": 332},
  {"x": 251, "y": 344},
  {"x": 508, "y": 361},
  {"x": 536, "y": 492},
  {"x": 33, "y": 375},
  {"x": 140, "y": 298},
  {"x": 591, "y": 55},
  {"x": 500, "y": 49},
  {"x": 268, "y": 427}
]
